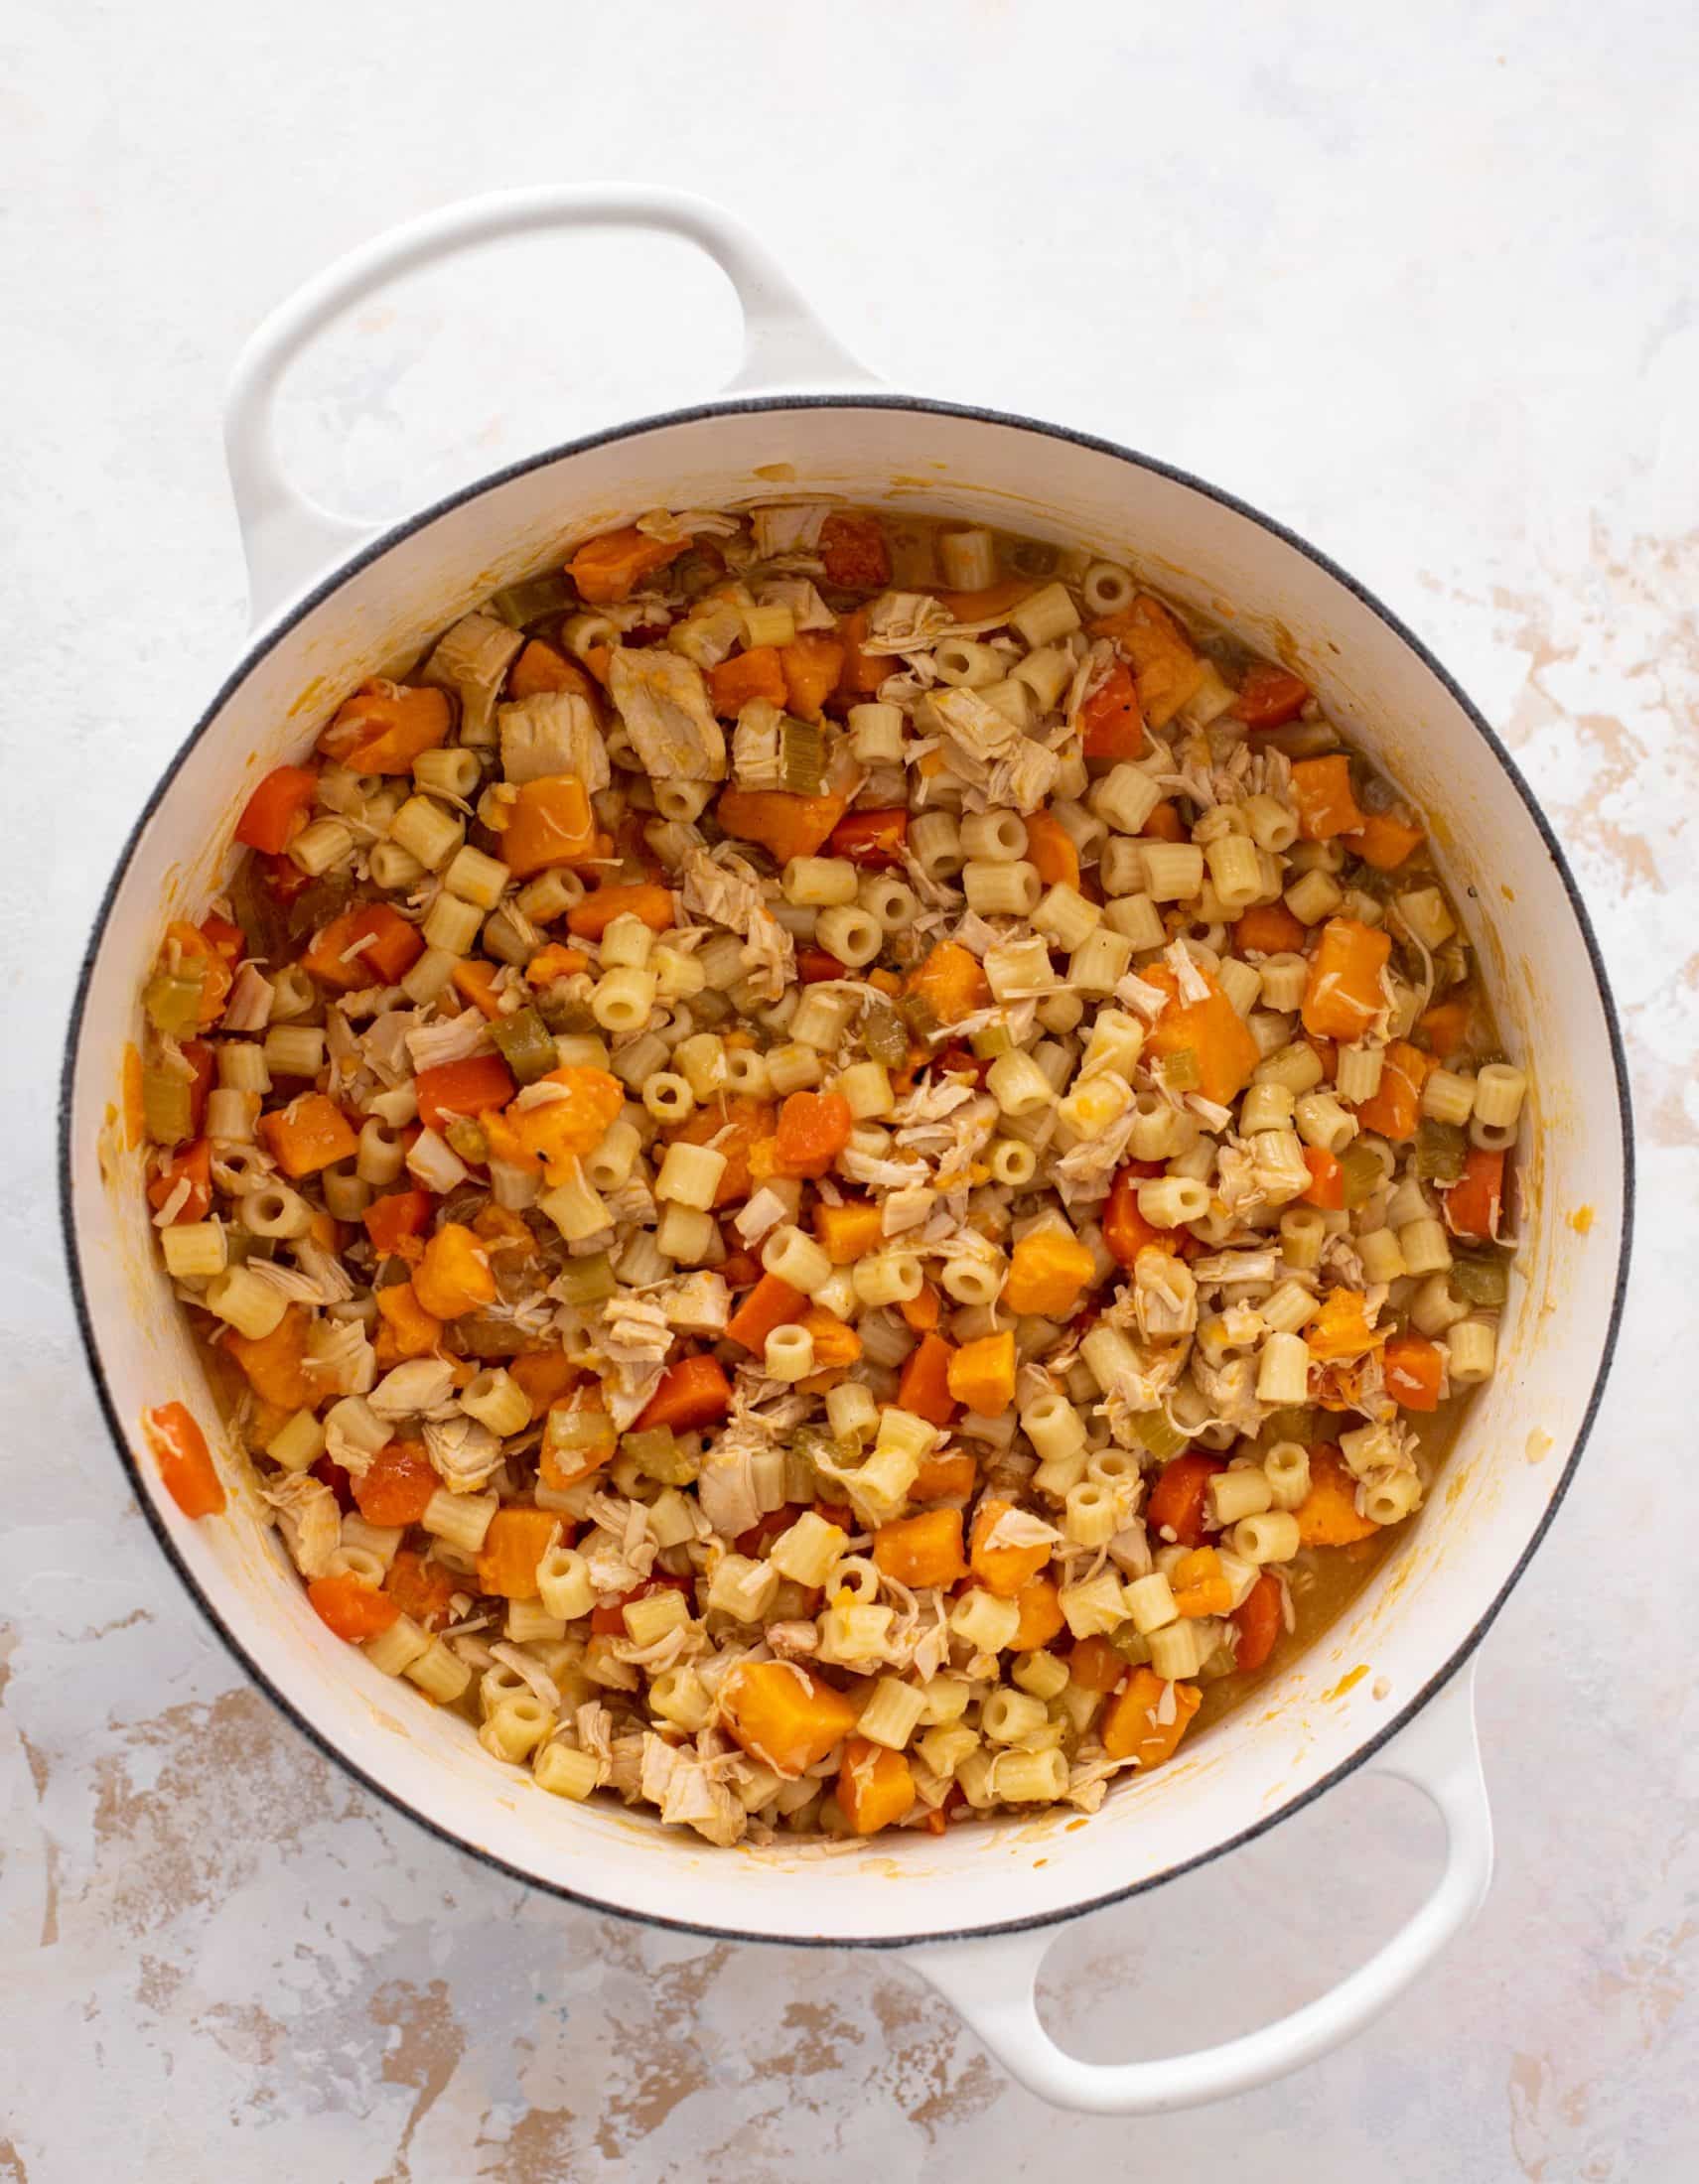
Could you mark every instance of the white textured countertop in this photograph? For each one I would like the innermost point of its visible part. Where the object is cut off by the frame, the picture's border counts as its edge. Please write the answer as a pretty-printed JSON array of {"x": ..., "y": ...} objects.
[{"x": 1426, "y": 291}]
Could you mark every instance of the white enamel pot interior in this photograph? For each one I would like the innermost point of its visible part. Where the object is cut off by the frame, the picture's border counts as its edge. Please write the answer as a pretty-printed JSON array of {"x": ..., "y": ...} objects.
[{"x": 1354, "y": 1695}]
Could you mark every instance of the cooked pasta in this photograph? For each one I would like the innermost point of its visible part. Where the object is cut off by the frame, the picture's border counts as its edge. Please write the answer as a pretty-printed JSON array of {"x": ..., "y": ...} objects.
[{"x": 828, "y": 1161}]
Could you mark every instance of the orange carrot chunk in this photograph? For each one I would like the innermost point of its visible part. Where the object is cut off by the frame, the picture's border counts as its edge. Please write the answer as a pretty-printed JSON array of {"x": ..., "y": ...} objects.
[
  {"x": 1322, "y": 792},
  {"x": 923, "y": 1383},
  {"x": 1414, "y": 1372},
  {"x": 875, "y": 1786},
  {"x": 608, "y": 569},
  {"x": 186, "y": 1467},
  {"x": 1259, "y": 1619},
  {"x": 1343, "y": 995},
  {"x": 786, "y": 826},
  {"x": 308, "y": 1135},
  {"x": 922, "y": 1549},
  {"x": 355, "y": 1611},
  {"x": 813, "y": 1129},
  {"x": 695, "y": 1392},
  {"x": 1178, "y": 1500},
  {"x": 273, "y": 814},
  {"x": 1473, "y": 1206},
  {"x": 1134, "y": 1727}
]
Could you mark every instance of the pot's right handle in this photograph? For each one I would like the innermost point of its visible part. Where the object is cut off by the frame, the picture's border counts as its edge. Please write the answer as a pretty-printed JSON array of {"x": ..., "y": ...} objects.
[
  {"x": 991, "y": 1983},
  {"x": 289, "y": 539}
]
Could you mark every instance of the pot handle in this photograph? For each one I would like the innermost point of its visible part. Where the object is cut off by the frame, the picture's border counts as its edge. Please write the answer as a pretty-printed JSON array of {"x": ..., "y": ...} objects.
[
  {"x": 990, "y": 1982},
  {"x": 288, "y": 538}
]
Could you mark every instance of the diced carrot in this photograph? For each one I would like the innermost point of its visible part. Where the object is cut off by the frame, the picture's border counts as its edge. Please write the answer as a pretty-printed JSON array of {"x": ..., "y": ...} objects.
[
  {"x": 854, "y": 551},
  {"x": 982, "y": 1374},
  {"x": 186, "y": 1467},
  {"x": 473, "y": 980},
  {"x": 308, "y": 1135},
  {"x": 945, "y": 1476},
  {"x": 923, "y": 1311},
  {"x": 555, "y": 961},
  {"x": 695, "y": 1392},
  {"x": 1414, "y": 1372},
  {"x": 1125, "y": 1230},
  {"x": 1002, "y": 1569},
  {"x": 1211, "y": 1029},
  {"x": 755, "y": 673},
  {"x": 1201, "y": 1585},
  {"x": 1133, "y": 1723},
  {"x": 397, "y": 1485},
  {"x": 386, "y": 726},
  {"x": 1322, "y": 792},
  {"x": 1051, "y": 851},
  {"x": 1094, "y": 1665},
  {"x": 923, "y": 1383},
  {"x": 541, "y": 670},
  {"x": 1340, "y": 1328},
  {"x": 352, "y": 1609},
  {"x": 862, "y": 673},
  {"x": 549, "y": 822},
  {"x": 922, "y": 1549},
  {"x": 1164, "y": 662},
  {"x": 1327, "y": 1515},
  {"x": 329, "y": 1472},
  {"x": 836, "y": 1343},
  {"x": 1165, "y": 822},
  {"x": 408, "y": 1331},
  {"x": 544, "y": 1375},
  {"x": 771, "y": 1304},
  {"x": 454, "y": 1275},
  {"x": 1039, "y": 1604},
  {"x": 1473, "y": 1206},
  {"x": 275, "y": 1364},
  {"x": 873, "y": 839},
  {"x": 1384, "y": 840},
  {"x": 1111, "y": 725},
  {"x": 1259, "y": 1619},
  {"x": 560, "y": 1132},
  {"x": 736, "y": 1125},
  {"x": 784, "y": 1714},
  {"x": 608, "y": 569},
  {"x": 813, "y": 965},
  {"x": 1394, "y": 1108},
  {"x": 1327, "y": 1179},
  {"x": 462, "y": 1088},
  {"x": 393, "y": 1221},
  {"x": 516, "y": 1540},
  {"x": 1446, "y": 1026},
  {"x": 848, "y": 1232},
  {"x": 813, "y": 1129},
  {"x": 1046, "y": 1272},
  {"x": 786, "y": 826},
  {"x": 1343, "y": 995},
  {"x": 272, "y": 815},
  {"x": 952, "y": 982},
  {"x": 875, "y": 1786},
  {"x": 193, "y": 1165},
  {"x": 1268, "y": 928},
  {"x": 368, "y": 945},
  {"x": 1178, "y": 1503},
  {"x": 1269, "y": 696},
  {"x": 810, "y": 664},
  {"x": 422, "y": 1588}
]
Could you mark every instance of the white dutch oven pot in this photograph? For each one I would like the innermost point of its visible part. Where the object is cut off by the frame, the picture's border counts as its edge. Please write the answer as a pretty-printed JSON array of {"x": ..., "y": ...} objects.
[{"x": 1387, "y": 1689}]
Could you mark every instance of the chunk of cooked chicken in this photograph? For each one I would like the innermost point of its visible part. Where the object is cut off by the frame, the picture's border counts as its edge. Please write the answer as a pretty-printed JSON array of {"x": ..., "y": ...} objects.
[
  {"x": 663, "y": 702},
  {"x": 471, "y": 659},
  {"x": 553, "y": 733}
]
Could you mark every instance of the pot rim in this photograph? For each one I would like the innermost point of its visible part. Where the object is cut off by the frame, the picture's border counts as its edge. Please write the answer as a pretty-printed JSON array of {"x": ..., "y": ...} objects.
[{"x": 273, "y": 633}]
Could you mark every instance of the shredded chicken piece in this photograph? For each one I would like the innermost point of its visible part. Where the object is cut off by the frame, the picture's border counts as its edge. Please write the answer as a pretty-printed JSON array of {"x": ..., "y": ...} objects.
[
  {"x": 725, "y": 889},
  {"x": 471, "y": 659},
  {"x": 463, "y": 1451},
  {"x": 531, "y": 1671},
  {"x": 308, "y": 1518},
  {"x": 452, "y": 1038},
  {"x": 663, "y": 702},
  {"x": 554, "y": 732}
]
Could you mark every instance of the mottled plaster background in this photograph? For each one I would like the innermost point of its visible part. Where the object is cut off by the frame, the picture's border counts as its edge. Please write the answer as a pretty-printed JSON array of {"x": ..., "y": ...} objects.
[{"x": 1423, "y": 284}]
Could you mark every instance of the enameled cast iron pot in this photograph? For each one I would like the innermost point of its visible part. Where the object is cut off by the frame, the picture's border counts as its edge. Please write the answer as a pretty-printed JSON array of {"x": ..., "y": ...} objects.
[{"x": 1388, "y": 1688}]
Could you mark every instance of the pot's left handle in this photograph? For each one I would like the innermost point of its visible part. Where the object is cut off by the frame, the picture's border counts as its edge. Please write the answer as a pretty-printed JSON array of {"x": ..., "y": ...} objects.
[
  {"x": 289, "y": 539},
  {"x": 990, "y": 1982}
]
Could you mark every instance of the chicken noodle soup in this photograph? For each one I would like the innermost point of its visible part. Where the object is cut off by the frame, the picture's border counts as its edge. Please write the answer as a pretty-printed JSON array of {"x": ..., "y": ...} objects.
[{"x": 834, "y": 1165}]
